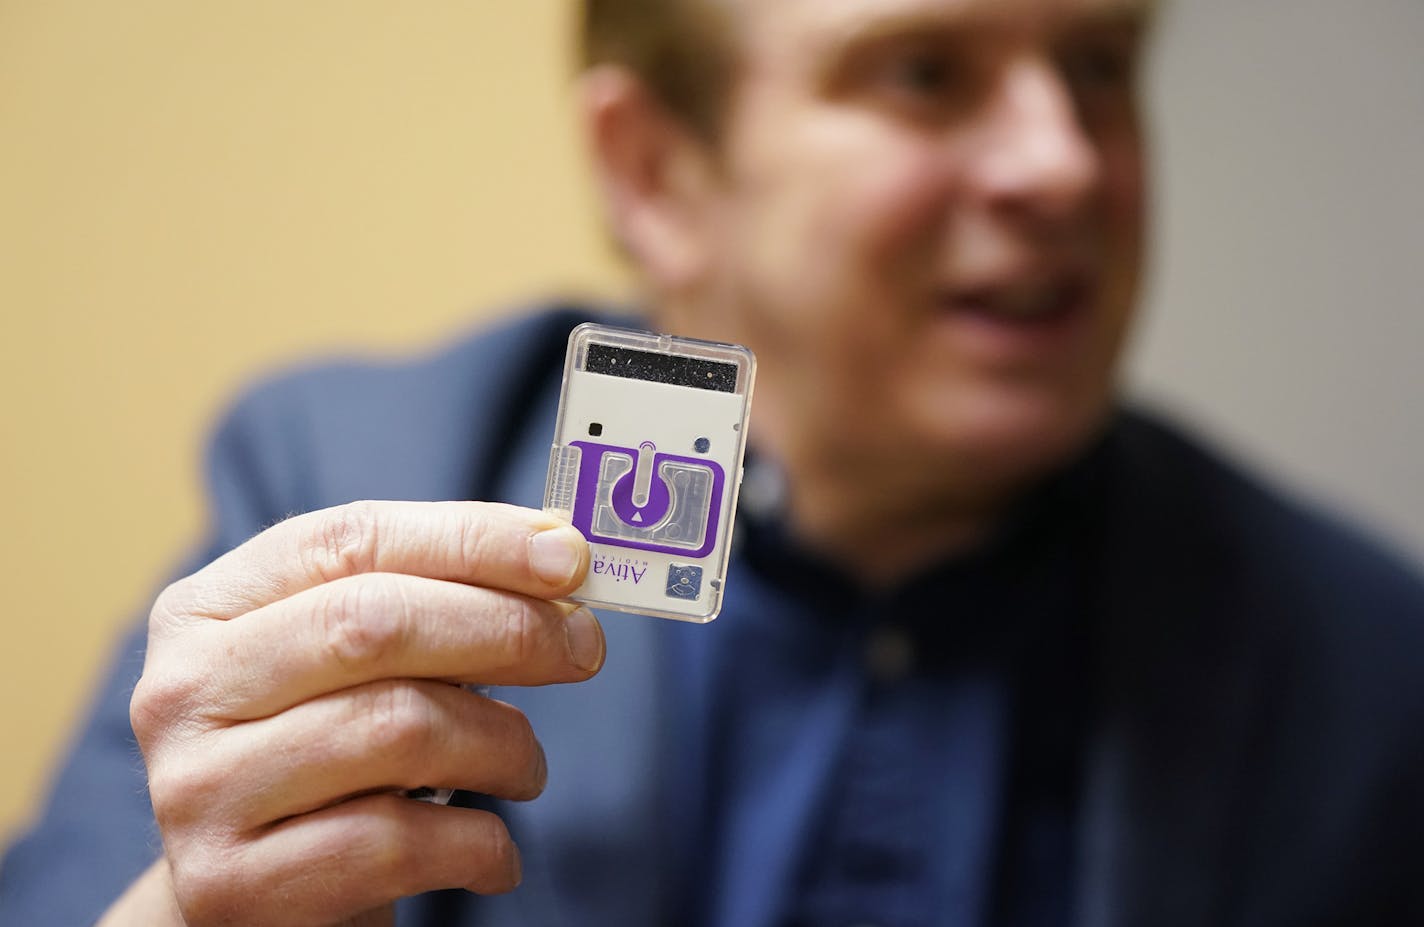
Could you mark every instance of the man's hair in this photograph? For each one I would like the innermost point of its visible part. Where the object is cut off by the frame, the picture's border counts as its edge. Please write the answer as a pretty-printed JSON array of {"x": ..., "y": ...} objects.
[{"x": 682, "y": 50}]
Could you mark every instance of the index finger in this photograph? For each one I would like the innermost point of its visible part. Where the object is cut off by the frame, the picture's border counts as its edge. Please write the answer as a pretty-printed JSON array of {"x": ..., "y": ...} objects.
[{"x": 488, "y": 544}]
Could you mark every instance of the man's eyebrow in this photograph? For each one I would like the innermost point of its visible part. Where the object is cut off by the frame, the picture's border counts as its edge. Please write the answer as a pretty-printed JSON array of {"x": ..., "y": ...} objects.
[
  {"x": 837, "y": 46},
  {"x": 877, "y": 24},
  {"x": 1133, "y": 15}
]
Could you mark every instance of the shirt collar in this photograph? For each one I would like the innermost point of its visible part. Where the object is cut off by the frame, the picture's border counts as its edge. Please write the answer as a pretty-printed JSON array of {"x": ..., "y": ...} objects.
[{"x": 1030, "y": 569}]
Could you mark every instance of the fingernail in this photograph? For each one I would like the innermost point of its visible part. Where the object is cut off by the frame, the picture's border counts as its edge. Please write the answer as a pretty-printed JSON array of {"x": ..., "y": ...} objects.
[
  {"x": 585, "y": 639},
  {"x": 517, "y": 865},
  {"x": 554, "y": 555}
]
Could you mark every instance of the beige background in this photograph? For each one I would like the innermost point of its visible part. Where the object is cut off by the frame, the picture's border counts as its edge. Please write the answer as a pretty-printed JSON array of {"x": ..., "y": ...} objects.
[{"x": 194, "y": 192}]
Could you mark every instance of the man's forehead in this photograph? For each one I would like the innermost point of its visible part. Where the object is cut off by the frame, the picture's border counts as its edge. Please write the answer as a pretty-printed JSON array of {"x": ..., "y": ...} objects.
[{"x": 847, "y": 17}]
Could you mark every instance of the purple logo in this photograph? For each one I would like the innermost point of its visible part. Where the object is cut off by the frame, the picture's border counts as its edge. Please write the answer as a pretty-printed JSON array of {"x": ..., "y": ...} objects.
[
  {"x": 620, "y": 570},
  {"x": 647, "y": 500}
]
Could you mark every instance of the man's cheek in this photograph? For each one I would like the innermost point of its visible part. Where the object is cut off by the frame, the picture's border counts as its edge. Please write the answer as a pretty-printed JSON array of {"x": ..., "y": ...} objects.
[
  {"x": 903, "y": 207},
  {"x": 1125, "y": 184}
]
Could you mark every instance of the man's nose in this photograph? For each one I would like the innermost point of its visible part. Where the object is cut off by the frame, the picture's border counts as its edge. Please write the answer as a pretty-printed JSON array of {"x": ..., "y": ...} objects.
[{"x": 1035, "y": 158}]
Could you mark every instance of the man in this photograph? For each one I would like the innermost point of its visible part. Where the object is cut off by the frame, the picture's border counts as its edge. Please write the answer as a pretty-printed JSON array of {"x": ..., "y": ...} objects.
[{"x": 993, "y": 651}]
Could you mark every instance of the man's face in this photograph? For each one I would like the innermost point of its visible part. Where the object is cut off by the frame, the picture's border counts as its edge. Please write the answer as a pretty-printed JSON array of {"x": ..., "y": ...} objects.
[{"x": 928, "y": 224}]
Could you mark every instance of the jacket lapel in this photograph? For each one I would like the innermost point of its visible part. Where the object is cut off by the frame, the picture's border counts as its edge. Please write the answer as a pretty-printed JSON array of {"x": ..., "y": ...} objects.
[{"x": 1177, "y": 703}]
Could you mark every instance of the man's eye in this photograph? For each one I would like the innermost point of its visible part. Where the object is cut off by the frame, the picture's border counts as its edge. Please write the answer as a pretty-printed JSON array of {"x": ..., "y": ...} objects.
[
  {"x": 1100, "y": 67},
  {"x": 926, "y": 74},
  {"x": 924, "y": 85}
]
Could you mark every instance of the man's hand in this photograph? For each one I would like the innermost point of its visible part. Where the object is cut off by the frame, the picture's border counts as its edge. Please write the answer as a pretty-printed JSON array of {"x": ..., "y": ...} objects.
[{"x": 294, "y": 686}]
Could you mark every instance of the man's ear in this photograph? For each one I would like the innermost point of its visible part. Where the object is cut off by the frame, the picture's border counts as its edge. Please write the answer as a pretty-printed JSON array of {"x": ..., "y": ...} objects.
[{"x": 655, "y": 175}]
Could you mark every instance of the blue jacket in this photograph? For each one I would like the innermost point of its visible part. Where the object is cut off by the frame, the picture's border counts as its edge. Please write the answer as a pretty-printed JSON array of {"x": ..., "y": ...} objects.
[{"x": 1257, "y": 757}]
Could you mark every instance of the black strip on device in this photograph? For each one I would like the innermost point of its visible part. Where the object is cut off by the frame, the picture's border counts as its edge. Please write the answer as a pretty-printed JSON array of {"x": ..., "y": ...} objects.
[{"x": 674, "y": 369}]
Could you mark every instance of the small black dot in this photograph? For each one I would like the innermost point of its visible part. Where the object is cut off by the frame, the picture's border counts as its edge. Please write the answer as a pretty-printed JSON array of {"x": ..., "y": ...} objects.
[
  {"x": 595, "y": 429},
  {"x": 701, "y": 445}
]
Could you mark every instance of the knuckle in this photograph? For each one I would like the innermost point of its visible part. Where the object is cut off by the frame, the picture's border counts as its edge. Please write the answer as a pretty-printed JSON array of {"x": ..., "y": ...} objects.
[
  {"x": 342, "y": 541},
  {"x": 204, "y": 886},
  {"x": 171, "y": 602},
  {"x": 395, "y": 853},
  {"x": 149, "y": 706},
  {"x": 476, "y": 538},
  {"x": 182, "y": 790},
  {"x": 157, "y": 705},
  {"x": 495, "y": 854},
  {"x": 407, "y": 863},
  {"x": 363, "y": 620},
  {"x": 531, "y": 752},
  {"x": 521, "y": 633},
  {"x": 181, "y": 601},
  {"x": 397, "y": 719}
]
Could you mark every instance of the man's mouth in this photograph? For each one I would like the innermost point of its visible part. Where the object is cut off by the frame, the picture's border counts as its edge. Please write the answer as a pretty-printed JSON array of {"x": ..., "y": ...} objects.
[{"x": 1030, "y": 302}]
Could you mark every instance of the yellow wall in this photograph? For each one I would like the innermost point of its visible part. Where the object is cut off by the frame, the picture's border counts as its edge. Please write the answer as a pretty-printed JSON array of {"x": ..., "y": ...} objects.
[{"x": 192, "y": 192}]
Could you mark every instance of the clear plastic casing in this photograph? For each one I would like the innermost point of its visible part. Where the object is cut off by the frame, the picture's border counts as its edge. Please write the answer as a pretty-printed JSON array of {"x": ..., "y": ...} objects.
[{"x": 647, "y": 461}]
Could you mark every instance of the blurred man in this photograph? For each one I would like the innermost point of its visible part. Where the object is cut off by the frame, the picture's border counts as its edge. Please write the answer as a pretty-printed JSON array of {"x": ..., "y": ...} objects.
[{"x": 994, "y": 651}]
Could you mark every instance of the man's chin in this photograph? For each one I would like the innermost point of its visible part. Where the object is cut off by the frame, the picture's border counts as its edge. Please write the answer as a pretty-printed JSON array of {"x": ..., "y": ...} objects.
[{"x": 1004, "y": 444}]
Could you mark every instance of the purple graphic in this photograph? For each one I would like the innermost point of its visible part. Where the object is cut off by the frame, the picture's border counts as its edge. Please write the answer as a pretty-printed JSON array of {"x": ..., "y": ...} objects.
[
  {"x": 655, "y": 506},
  {"x": 651, "y": 517}
]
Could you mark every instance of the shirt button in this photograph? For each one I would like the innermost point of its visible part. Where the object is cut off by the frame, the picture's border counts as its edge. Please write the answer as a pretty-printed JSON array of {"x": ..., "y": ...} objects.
[{"x": 889, "y": 654}]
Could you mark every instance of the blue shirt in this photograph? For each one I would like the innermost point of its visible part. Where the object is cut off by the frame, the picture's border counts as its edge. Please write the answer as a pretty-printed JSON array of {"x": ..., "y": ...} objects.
[{"x": 935, "y": 723}]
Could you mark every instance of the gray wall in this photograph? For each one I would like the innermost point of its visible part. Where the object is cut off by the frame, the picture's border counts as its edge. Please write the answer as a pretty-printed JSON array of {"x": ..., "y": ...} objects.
[{"x": 1285, "y": 315}]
